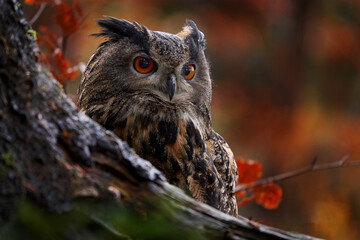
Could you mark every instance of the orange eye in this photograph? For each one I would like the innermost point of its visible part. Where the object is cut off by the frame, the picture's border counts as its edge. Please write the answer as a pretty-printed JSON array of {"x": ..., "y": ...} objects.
[
  {"x": 143, "y": 64},
  {"x": 189, "y": 71}
]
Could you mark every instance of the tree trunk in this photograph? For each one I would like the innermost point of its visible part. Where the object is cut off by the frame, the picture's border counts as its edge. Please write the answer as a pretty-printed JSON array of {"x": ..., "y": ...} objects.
[{"x": 59, "y": 168}]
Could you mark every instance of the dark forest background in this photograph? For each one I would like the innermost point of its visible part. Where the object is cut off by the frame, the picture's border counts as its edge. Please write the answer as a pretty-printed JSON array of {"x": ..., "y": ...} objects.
[{"x": 286, "y": 89}]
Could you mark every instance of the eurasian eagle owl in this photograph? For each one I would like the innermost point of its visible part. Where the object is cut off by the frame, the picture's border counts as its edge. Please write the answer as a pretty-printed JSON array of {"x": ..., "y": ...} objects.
[{"x": 153, "y": 89}]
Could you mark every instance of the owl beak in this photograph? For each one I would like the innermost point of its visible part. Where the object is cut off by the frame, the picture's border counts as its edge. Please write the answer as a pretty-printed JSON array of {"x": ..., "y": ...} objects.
[{"x": 171, "y": 86}]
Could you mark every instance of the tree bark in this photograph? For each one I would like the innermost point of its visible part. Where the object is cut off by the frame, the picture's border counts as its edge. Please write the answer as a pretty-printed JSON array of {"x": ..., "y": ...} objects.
[{"x": 58, "y": 159}]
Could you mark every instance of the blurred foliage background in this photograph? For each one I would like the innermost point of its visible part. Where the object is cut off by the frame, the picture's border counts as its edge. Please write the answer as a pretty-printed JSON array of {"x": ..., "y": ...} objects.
[{"x": 286, "y": 89}]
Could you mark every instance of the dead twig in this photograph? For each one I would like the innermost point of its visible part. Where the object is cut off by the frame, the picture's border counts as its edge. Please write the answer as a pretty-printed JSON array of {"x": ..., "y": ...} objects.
[
  {"x": 37, "y": 14},
  {"x": 343, "y": 162}
]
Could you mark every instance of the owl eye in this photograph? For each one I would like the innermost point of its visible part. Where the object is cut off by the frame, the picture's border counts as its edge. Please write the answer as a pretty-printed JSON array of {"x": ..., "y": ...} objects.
[
  {"x": 189, "y": 71},
  {"x": 143, "y": 64}
]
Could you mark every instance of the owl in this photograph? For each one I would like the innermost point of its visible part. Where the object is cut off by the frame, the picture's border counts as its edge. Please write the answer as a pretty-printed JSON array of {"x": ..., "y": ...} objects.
[{"x": 153, "y": 90}]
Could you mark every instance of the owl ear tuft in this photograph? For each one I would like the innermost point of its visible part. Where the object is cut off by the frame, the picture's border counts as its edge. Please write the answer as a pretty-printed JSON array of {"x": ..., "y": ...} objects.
[
  {"x": 118, "y": 29},
  {"x": 195, "y": 39}
]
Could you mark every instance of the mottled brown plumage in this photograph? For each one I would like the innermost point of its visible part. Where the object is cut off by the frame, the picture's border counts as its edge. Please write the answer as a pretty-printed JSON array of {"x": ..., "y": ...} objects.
[{"x": 162, "y": 114}]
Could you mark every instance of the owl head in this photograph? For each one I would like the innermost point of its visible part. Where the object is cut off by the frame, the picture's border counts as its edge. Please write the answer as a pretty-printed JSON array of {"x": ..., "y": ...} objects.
[{"x": 133, "y": 59}]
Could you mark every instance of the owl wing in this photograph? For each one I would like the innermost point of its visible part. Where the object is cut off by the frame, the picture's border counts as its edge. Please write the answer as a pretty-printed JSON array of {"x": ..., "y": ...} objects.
[
  {"x": 197, "y": 166},
  {"x": 225, "y": 165}
]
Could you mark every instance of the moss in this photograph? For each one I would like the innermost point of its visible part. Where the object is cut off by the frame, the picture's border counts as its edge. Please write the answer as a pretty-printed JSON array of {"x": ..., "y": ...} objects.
[
  {"x": 5, "y": 164},
  {"x": 6, "y": 159},
  {"x": 32, "y": 32}
]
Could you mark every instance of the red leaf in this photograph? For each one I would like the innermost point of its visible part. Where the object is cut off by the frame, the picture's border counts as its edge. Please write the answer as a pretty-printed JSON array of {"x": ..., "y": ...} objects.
[
  {"x": 61, "y": 64},
  {"x": 46, "y": 42},
  {"x": 48, "y": 33},
  {"x": 77, "y": 8},
  {"x": 240, "y": 194},
  {"x": 37, "y": 3},
  {"x": 269, "y": 195},
  {"x": 48, "y": 39},
  {"x": 249, "y": 171},
  {"x": 67, "y": 18},
  {"x": 63, "y": 71},
  {"x": 44, "y": 30},
  {"x": 71, "y": 73}
]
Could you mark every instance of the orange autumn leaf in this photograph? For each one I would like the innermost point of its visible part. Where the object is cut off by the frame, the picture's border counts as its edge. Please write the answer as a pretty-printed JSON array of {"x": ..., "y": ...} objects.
[
  {"x": 47, "y": 39},
  {"x": 67, "y": 76},
  {"x": 63, "y": 71},
  {"x": 68, "y": 18},
  {"x": 37, "y": 3},
  {"x": 77, "y": 8},
  {"x": 52, "y": 36},
  {"x": 240, "y": 194},
  {"x": 61, "y": 63},
  {"x": 44, "y": 41},
  {"x": 269, "y": 195},
  {"x": 249, "y": 171},
  {"x": 71, "y": 73}
]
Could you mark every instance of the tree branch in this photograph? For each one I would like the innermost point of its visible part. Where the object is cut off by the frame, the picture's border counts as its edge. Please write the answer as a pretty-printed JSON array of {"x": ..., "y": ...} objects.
[
  {"x": 343, "y": 162},
  {"x": 37, "y": 14}
]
